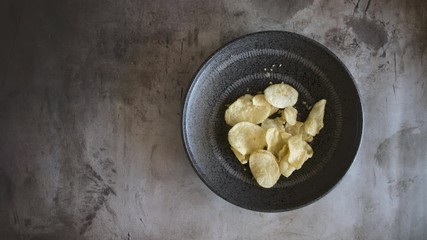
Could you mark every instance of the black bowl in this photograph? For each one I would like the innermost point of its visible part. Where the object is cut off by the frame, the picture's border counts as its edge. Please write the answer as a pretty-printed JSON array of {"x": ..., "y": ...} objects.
[{"x": 248, "y": 65}]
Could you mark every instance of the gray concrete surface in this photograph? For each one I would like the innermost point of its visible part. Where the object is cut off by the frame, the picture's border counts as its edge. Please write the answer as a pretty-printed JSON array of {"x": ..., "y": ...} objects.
[{"x": 90, "y": 101}]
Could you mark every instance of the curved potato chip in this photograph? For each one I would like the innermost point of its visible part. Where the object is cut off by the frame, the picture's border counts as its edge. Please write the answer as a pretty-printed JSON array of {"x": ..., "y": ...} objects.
[
  {"x": 308, "y": 150},
  {"x": 273, "y": 110},
  {"x": 283, "y": 166},
  {"x": 259, "y": 100},
  {"x": 299, "y": 151},
  {"x": 281, "y": 95},
  {"x": 283, "y": 152},
  {"x": 285, "y": 135},
  {"x": 243, "y": 110},
  {"x": 272, "y": 123},
  {"x": 298, "y": 128},
  {"x": 246, "y": 137},
  {"x": 289, "y": 171},
  {"x": 314, "y": 122},
  {"x": 290, "y": 115},
  {"x": 294, "y": 129},
  {"x": 286, "y": 169},
  {"x": 264, "y": 168},
  {"x": 281, "y": 117},
  {"x": 276, "y": 139},
  {"x": 308, "y": 138},
  {"x": 242, "y": 158}
]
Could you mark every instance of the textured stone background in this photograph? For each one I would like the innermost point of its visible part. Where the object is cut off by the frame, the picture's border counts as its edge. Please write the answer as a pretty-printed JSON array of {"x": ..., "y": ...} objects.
[{"x": 90, "y": 101}]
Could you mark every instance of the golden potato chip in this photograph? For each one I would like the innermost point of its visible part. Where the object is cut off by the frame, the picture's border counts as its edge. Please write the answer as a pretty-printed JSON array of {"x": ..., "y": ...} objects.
[
  {"x": 272, "y": 123},
  {"x": 308, "y": 138},
  {"x": 281, "y": 117},
  {"x": 298, "y": 128},
  {"x": 264, "y": 168},
  {"x": 314, "y": 122},
  {"x": 242, "y": 158},
  {"x": 246, "y": 137},
  {"x": 276, "y": 139},
  {"x": 281, "y": 95},
  {"x": 285, "y": 135},
  {"x": 273, "y": 110},
  {"x": 308, "y": 150},
  {"x": 283, "y": 151},
  {"x": 290, "y": 115},
  {"x": 285, "y": 168},
  {"x": 243, "y": 110},
  {"x": 259, "y": 100},
  {"x": 288, "y": 171},
  {"x": 283, "y": 165},
  {"x": 294, "y": 129},
  {"x": 299, "y": 151}
]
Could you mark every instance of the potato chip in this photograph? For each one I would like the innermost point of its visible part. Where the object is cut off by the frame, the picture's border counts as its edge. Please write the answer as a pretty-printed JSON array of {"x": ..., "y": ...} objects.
[
  {"x": 285, "y": 135},
  {"x": 308, "y": 138},
  {"x": 298, "y": 128},
  {"x": 272, "y": 123},
  {"x": 246, "y": 137},
  {"x": 281, "y": 117},
  {"x": 299, "y": 151},
  {"x": 288, "y": 171},
  {"x": 273, "y": 110},
  {"x": 242, "y": 158},
  {"x": 276, "y": 139},
  {"x": 290, "y": 115},
  {"x": 283, "y": 151},
  {"x": 245, "y": 110},
  {"x": 281, "y": 95},
  {"x": 294, "y": 129},
  {"x": 314, "y": 122},
  {"x": 259, "y": 100},
  {"x": 308, "y": 150},
  {"x": 264, "y": 168},
  {"x": 285, "y": 168}
]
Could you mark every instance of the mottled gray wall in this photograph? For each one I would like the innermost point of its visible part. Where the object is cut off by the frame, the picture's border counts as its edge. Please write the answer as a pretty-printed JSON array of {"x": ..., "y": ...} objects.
[{"x": 90, "y": 101}]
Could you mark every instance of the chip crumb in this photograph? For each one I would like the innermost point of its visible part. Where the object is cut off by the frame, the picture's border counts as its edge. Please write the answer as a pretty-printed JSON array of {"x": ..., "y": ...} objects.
[
  {"x": 265, "y": 69},
  {"x": 273, "y": 66},
  {"x": 280, "y": 65}
]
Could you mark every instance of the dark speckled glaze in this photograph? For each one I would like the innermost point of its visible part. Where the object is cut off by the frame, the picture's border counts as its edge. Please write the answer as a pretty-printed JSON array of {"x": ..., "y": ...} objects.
[{"x": 247, "y": 65}]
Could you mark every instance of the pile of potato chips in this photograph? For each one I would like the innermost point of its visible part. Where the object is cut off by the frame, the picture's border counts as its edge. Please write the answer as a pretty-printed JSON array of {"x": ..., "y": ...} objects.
[{"x": 272, "y": 146}]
